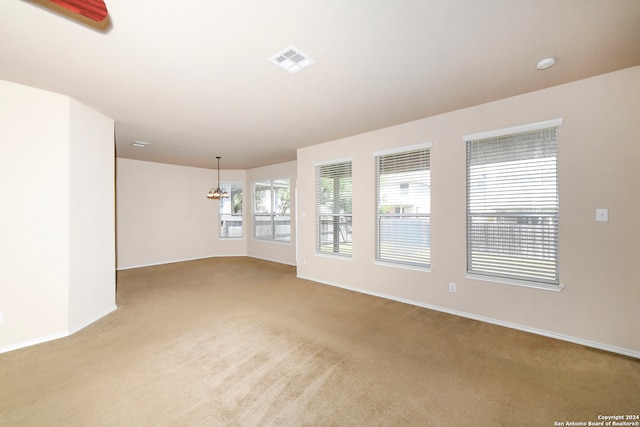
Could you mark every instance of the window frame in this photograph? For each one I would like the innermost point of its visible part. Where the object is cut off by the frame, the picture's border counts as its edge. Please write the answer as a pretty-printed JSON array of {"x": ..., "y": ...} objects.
[
  {"x": 231, "y": 185},
  {"x": 397, "y": 262},
  {"x": 505, "y": 278},
  {"x": 342, "y": 222},
  {"x": 272, "y": 214}
]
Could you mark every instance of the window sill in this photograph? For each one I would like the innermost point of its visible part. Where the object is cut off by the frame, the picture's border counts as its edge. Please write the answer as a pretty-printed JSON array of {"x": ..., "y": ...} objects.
[
  {"x": 334, "y": 256},
  {"x": 280, "y": 242},
  {"x": 403, "y": 266},
  {"x": 514, "y": 282}
]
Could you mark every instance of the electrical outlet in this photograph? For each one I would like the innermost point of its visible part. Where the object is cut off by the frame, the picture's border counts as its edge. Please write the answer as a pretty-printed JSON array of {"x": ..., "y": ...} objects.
[
  {"x": 602, "y": 214},
  {"x": 452, "y": 287}
]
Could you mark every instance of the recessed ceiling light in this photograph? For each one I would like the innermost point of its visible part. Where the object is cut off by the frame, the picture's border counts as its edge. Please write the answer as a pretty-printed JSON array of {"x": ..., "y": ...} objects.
[
  {"x": 292, "y": 60},
  {"x": 545, "y": 63},
  {"x": 139, "y": 144}
]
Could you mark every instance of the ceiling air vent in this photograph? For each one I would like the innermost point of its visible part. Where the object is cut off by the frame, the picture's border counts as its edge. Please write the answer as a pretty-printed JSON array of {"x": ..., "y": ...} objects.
[
  {"x": 140, "y": 144},
  {"x": 292, "y": 60}
]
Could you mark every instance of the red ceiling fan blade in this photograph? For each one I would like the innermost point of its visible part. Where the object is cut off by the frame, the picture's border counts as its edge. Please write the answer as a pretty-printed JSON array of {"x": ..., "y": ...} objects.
[{"x": 92, "y": 9}]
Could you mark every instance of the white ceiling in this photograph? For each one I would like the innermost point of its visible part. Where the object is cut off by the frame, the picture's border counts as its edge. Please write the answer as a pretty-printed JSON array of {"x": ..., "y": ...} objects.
[{"x": 193, "y": 77}]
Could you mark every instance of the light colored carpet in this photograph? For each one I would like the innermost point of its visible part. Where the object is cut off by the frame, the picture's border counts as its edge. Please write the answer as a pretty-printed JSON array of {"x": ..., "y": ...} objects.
[{"x": 243, "y": 342}]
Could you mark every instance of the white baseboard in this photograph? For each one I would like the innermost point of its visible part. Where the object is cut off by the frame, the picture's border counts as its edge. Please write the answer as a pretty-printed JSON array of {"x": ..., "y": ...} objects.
[
  {"x": 33, "y": 341},
  {"x": 92, "y": 319},
  {"x": 177, "y": 260},
  {"x": 580, "y": 341},
  {"x": 272, "y": 260},
  {"x": 51, "y": 337}
]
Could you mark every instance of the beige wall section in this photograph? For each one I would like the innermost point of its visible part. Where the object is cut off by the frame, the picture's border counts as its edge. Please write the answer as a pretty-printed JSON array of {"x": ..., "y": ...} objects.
[
  {"x": 163, "y": 214},
  {"x": 92, "y": 248},
  {"x": 599, "y": 168},
  {"x": 34, "y": 170},
  {"x": 273, "y": 251},
  {"x": 39, "y": 254}
]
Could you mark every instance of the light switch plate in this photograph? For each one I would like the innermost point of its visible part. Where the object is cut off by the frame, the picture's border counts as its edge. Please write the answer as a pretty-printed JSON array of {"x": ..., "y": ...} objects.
[{"x": 602, "y": 214}]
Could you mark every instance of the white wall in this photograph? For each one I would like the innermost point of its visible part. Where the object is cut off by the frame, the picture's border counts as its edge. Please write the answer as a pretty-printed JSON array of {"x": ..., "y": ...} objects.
[
  {"x": 269, "y": 250},
  {"x": 163, "y": 214},
  {"x": 599, "y": 168},
  {"x": 92, "y": 254},
  {"x": 39, "y": 244}
]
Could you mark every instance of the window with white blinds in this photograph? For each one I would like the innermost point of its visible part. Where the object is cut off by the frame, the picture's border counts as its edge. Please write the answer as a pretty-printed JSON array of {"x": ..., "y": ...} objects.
[
  {"x": 513, "y": 205},
  {"x": 272, "y": 210},
  {"x": 333, "y": 208},
  {"x": 403, "y": 192}
]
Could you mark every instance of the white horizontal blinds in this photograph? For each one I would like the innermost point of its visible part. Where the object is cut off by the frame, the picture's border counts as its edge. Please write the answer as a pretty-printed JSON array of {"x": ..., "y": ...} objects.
[
  {"x": 333, "y": 207},
  {"x": 403, "y": 226},
  {"x": 513, "y": 207}
]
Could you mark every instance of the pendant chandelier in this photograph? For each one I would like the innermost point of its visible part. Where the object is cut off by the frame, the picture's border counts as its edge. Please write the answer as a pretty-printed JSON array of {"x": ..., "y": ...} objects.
[{"x": 217, "y": 193}]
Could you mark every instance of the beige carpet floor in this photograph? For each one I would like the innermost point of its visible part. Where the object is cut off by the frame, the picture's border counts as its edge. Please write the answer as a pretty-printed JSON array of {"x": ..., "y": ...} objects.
[{"x": 243, "y": 342}]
